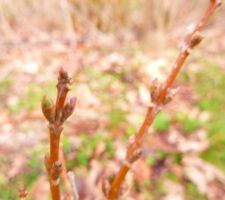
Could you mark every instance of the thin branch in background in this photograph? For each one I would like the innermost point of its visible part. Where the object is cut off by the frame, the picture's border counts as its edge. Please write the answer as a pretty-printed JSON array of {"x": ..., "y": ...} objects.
[
  {"x": 56, "y": 114},
  {"x": 22, "y": 193},
  {"x": 68, "y": 188},
  {"x": 72, "y": 181},
  {"x": 160, "y": 96}
]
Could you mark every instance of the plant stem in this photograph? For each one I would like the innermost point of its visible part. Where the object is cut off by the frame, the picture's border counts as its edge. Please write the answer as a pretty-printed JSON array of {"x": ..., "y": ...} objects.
[
  {"x": 160, "y": 96},
  {"x": 56, "y": 114}
]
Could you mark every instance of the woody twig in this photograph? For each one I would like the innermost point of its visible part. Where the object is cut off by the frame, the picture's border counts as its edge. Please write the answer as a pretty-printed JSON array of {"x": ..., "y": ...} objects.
[
  {"x": 56, "y": 114},
  {"x": 160, "y": 96}
]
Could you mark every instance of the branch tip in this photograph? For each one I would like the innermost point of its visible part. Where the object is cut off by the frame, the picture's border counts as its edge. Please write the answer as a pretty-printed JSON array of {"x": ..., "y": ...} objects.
[
  {"x": 218, "y": 2},
  {"x": 63, "y": 74}
]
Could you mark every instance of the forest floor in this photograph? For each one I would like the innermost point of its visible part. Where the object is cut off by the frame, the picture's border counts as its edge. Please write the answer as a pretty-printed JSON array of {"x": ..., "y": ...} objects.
[{"x": 184, "y": 153}]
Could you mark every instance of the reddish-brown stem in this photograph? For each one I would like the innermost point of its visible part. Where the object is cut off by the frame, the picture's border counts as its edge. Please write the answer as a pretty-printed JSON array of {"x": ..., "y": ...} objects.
[
  {"x": 144, "y": 127},
  {"x": 192, "y": 39},
  {"x": 55, "y": 191},
  {"x": 56, "y": 115},
  {"x": 54, "y": 156}
]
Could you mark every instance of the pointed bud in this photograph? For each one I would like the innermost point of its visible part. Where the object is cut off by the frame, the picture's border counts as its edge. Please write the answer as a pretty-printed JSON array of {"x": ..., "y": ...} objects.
[
  {"x": 63, "y": 74},
  {"x": 63, "y": 77},
  {"x": 137, "y": 154},
  {"x": 195, "y": 40},
  {"x": 218, "y": 2},
  {"x": 68, "y": 108},
  {"x": 47, "y": 106},
  {"x": 155, "y": 90}
]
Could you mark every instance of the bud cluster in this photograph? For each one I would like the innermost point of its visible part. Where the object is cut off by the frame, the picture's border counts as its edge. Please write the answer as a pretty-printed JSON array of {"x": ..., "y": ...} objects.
[
  {"x": 56, "y": 114},
  {"x": 59, "y": 112}
]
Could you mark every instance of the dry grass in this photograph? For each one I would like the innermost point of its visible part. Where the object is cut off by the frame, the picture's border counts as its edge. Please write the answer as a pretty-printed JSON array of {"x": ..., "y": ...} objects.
[
  {"x": 102, "y": 14},
  {"x": 33, "y": 18}
]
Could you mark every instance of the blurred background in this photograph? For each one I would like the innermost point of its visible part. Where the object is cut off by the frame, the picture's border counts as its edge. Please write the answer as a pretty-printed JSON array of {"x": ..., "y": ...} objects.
[{"x": 113, "y": 49}]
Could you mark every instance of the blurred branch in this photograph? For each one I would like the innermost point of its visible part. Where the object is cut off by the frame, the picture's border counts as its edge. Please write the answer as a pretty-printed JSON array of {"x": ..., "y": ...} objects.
[
  {"x": 65, "y": 177},
  {"x": 22, "y": 193},
  {"x": 72, "y": 181},
  {"x": 160, "y": 96}
]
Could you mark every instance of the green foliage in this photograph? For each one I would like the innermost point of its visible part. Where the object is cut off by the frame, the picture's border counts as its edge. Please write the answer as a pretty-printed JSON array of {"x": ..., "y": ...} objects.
[
  {"x": 110, "y": 148},
  {"x": 82, "y": 158},
  {"x": 66, "y": 144},
  {"x": 210, "y": 85},
  {"x": 188, "y": 124},
  {"x": 30, "y": 101},
  {"x": 5, "y": 86},
  {"x": 192, "y": 192},
  {"x": 171, "y": 176},
  {"x": 30, "y": 177},
  {"x": 8, "y": 193},
  {"x": 216, "y": 126},
  {"x": 191, "y": 125},
  {"x": 150, "y": 160},
  {"x": 116, "y": 116},
  {"x": 162, "y": 122},
  {"x": 32, "y": 98},
  {"x": 210, "y": 81},
  {"x": 215, "y": 154},
  {"x": 129, "y": 132},
  {"x": 158, "y": 188},
  {"x": 88, "y": 146},
  {"x": 209, "y": 104},
  {"x": 177, "y": 158}
]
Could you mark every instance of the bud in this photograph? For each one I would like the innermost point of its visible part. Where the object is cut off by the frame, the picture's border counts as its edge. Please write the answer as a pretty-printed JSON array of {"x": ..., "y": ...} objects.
[
  {"x": 63, "y": 74},
  {"x": 63, "y": 77},
  {"x": 47, "y": 106},
  {"x": 136, "y": 155},
  {"x": 56, "y": 170},
  {"x": 218, "y": 2},
  {"x": 155, "y": 90},
  {"x": 195, "y": 39},
  {"x": 68, "y": 108}
]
